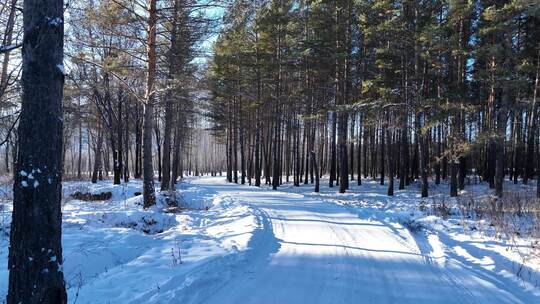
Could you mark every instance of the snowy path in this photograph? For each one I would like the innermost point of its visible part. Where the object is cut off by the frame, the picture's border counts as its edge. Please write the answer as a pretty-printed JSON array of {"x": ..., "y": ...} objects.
[{"x": 308, "y": 251}]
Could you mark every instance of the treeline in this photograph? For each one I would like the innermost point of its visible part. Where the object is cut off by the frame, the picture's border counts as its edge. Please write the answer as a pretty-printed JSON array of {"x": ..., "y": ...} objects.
[{"x": 395, "y": 90}]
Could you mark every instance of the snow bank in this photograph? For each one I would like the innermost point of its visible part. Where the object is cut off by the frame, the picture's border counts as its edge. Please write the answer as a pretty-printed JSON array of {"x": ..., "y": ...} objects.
[{"x": 116, "y": 252}]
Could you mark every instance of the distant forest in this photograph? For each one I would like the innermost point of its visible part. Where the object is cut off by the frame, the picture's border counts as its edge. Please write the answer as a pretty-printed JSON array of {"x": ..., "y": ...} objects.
[{"x": 406, "y": 90}]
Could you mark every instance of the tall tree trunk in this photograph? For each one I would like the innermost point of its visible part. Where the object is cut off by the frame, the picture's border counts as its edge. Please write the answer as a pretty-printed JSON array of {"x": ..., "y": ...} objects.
[
  {"x": 383, "y": 158},
  {"x": 439, "y": 152},
  {"x": 333, "y": 151},
  {"x": 404, "y": 147},
  {"x": 167, "y": 134},
  {"x": 343, "y": 157},
  {"x": 351, "y": 149},
  {"x": 390, "y": 161},
  {"x": 499, "y": 153},
  {"x": 138, "y": 143},
  {"x": 307, "y": 157},
  {"x": 258, "y": 153},
  {"x": 97, "y": 156},
  {"x": 235, "y": 149},
  {"x": 229, "y": 155},
  {"x": 36, "y": 275},
  {"x": 79, "y": 160},
  {"x": 316, "y": 169},
  {"x": 242, "y": 158},
  {"x": 6, "y": 159},
  {"x": 532, "y": 126},
  {"x": 157, "y": 132},
  {"x": 117, "y": 150},
  {"x": 148, "y": 168},
  {"x": 277, "y": 114},
  {"x": 297, "y": 155},
  {"x": 126, "y": 149},
  {"x": 424, "y": 160},
  {"x": 359, "y": 154}
]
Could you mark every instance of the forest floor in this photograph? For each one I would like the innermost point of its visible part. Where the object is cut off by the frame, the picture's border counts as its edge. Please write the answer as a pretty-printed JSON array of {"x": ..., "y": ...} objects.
[{"x": 240, "y": 244}]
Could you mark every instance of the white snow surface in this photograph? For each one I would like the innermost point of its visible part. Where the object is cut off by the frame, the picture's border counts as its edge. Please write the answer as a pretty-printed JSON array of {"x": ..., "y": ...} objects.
[{"x": 240, "y": 244}]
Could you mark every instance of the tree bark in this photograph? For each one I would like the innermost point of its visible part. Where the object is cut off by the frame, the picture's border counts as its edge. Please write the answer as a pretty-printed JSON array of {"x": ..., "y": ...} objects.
[
  {"x": 148, "y": 168},
  {"x": 35, "y": 253}
]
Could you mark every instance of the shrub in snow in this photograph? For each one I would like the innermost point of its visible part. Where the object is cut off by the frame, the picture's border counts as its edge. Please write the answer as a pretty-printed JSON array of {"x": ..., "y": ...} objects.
[{"x": 147, "y": 222}]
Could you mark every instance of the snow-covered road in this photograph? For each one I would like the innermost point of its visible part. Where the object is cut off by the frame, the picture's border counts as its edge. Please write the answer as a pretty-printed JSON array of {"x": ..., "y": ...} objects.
[{"x": 309, "y": 251}]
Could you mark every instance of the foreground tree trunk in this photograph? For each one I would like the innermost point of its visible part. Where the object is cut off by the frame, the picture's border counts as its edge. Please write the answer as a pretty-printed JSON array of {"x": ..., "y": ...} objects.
[
  {"x": 148, "y": 169},
  {"x": 35, "y": 255}
]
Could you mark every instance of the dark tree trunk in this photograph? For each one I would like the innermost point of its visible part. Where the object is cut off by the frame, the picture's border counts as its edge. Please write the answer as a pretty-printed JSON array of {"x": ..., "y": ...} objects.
[
  {"x": 158, "y": 145},
  {"x": 242, "y": 158},
  {"x": 462, "y": 172},
  {"x": 258, "y": 154},
  {"x": 491, "y": 163},
  {"x": 499, "y": 154},
  {"x": 36, "y": 275},
  {"x": 351, "y": 149},
  {"x": 439, "y": 152},
  {"x": 126, "y": 149},
  {"x": 167, "y": 134},
  {"x": 117, "y": 150},
  {"x": 454, "y": 167},
  {"x": 97, "y": 156},
  {"x": 391, "y": 163},
  {"x": 366, "y": 137},
  {"x": 308, "y": 149},
  {"x": 416, "y": 156},
  {"x": 176, "y": 157},
  {"x": 148, "y": 168},
  {"x": 235, "y": 150},
  {"x": 359, "y": 154},
  {"x": 229, "y": 155},
  {"x": 404, "y": 146},
  {"x": 343, "y": 155},
  {"x": 533, "y": 128},
  {"x": 297, "y": 156},
  {"x": 333, "y": 151},
  {"x": 275, "y": 154},
  {"x": 316, "y": 169},
  {"x": 6, "y": 159},
  {"x": 138, "y": 143},
  {"x": 424, "y": 160},
  {"x": 79, "y": 160},
  {"x": 383, "y": 158}
]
